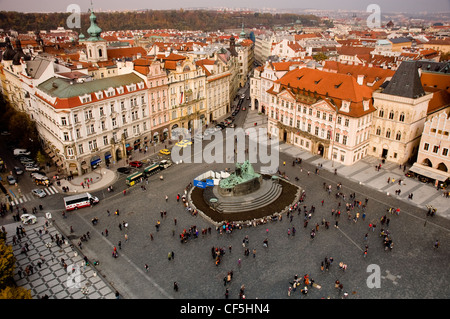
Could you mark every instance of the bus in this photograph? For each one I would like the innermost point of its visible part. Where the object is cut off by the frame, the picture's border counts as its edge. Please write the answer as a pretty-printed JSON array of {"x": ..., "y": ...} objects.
[
  {"x": 79, "y": 201},
  {"x": 152, "y": 169},
  {"x": 134, "y": 178}
]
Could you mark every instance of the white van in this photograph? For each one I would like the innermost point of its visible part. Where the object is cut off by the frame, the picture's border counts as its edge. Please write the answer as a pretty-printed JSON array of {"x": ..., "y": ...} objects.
[{"x": 21, "y": 151}]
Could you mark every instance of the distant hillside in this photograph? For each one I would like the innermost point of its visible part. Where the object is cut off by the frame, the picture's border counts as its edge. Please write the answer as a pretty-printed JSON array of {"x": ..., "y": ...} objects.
[{"x": 153, "y": 19}]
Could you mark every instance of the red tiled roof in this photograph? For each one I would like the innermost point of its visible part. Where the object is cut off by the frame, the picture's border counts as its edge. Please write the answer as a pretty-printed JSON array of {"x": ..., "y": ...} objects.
[
  {"x": 328, "y": 86},
  {"x": 119, "y": 53},
  {"x": 370, "y": 73}
]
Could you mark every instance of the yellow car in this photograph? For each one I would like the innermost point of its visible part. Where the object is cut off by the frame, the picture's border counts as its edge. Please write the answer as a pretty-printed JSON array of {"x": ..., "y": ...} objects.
[
  {"x": 187, "y": 142},
  {"x": 164, "y": 152}
]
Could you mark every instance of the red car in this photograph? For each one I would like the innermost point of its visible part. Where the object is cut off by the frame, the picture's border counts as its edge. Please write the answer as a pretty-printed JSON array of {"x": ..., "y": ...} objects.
[{"x": 136, "y": 164}]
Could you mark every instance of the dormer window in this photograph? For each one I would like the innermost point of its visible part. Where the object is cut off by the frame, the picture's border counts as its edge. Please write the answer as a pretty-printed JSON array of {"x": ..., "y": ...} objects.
[
  {"x": 277, "y": 87},
  {"x": 120, "y": 90},
  {"x": 345, "y": 106},
  {"x": 110, "y": 92},
  {"x": 366, "y": 105},
  {"x": 99, "y": 95},
  {"x": 85, "y": 98},
  {"x": 131, "y": 87}
]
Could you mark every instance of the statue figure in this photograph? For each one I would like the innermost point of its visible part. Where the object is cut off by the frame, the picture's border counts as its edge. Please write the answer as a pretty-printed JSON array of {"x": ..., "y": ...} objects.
[{"x": 243, "y": 173}]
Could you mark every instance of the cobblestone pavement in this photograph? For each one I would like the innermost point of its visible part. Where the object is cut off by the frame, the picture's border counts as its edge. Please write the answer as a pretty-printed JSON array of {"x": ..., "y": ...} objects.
[{"x": 49, "y": 278}]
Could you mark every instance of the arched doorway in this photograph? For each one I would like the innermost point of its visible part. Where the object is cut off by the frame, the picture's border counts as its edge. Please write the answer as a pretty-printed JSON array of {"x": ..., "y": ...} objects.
[
  {"x": 320, "y": 149},
  {"x": 442, "y": 167},
  {"x": 119, "y": 154},
  {"x": 284, "y": 135},
  {"x": 427, "y": 162}
]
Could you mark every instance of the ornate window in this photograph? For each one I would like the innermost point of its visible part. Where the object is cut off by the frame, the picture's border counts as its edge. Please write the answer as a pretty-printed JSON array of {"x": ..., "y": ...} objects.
[{"x": 391, "y": 115}]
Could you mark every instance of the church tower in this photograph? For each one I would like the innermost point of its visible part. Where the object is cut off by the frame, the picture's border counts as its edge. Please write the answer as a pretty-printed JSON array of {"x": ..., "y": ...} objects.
[{"x": 95, "y": 45}]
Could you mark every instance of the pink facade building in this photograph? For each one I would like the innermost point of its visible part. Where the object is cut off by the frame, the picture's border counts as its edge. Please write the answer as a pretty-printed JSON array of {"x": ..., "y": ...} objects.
[{"x": 433, "y": 159}]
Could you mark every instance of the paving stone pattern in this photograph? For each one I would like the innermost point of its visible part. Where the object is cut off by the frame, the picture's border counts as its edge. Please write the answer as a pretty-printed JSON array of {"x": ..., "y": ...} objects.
[{"x": 51, "y": 279}]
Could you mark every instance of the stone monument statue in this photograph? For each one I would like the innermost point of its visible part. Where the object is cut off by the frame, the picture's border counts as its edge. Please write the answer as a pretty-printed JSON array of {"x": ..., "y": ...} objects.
[{"x": 242, "y": 181}]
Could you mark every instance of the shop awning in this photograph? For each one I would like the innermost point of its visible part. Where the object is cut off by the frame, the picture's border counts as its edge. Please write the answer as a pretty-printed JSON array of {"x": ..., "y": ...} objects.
[
  {"x": 429, "y": 172},
  {"x": 84, "y": 166},
  {"x": 96, "y": 161}
]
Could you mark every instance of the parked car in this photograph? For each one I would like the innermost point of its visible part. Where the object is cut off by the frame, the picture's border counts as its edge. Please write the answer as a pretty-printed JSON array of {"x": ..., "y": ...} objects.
[
  {"x": 26, "y": 160},
  {"x": 164, "y": 152},
  {"x": 38, "y": 192},
  {"x": 11, "y": 180},
  {"x": 18, "y": 170},
  {"x": 136, "y": 164},
  {"x": 38, "y": 175},
  {"x": 32, "y": 168},
  {"x": 21, "y": 151}
]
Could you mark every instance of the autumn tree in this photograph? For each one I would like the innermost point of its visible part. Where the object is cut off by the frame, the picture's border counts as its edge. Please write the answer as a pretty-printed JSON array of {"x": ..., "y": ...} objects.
[
  {"x": 13, "y": 292},
  {"x": 7, "y": 263}
]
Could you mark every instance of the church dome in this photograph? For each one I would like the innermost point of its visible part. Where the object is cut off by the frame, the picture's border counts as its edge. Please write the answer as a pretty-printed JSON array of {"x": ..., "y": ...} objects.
[
  {"x": 94, "y": 30},
  {"x": 9, "y": 53},
  {"x": 19, "y": 54}
]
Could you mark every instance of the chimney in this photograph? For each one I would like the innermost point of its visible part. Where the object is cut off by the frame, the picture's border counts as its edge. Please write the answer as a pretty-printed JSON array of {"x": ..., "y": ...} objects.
[{"x": 360, "y": 79}]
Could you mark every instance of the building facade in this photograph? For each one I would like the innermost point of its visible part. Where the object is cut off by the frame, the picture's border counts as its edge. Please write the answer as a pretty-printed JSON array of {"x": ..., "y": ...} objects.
[
  {"x": 401, "y": 113},
  {"x": 323, "y": 113},
  {"x": 433, "y": 158},
  {"x": 84, "y": 124}
]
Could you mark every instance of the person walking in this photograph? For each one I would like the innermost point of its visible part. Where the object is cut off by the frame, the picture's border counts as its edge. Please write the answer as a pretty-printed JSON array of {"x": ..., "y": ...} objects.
[
  {"x": 436, "y": 244},
  {"x": 175, "y": 286},
  {"x": 146, "y": 267}
]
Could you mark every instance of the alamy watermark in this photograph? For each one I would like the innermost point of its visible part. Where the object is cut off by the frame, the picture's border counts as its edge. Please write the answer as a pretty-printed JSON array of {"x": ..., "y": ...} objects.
[
  {"x": 227, "y": 146},
  {"x": 73, "y": 277},
  {"x": 73, "y": 21},
  {"x": 374, "y": 19},
  {"x": 374, "y": 279}
]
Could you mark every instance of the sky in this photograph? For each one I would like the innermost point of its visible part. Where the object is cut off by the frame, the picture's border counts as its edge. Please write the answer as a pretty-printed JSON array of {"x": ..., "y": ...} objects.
[{"x": 408, "y": 6}]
